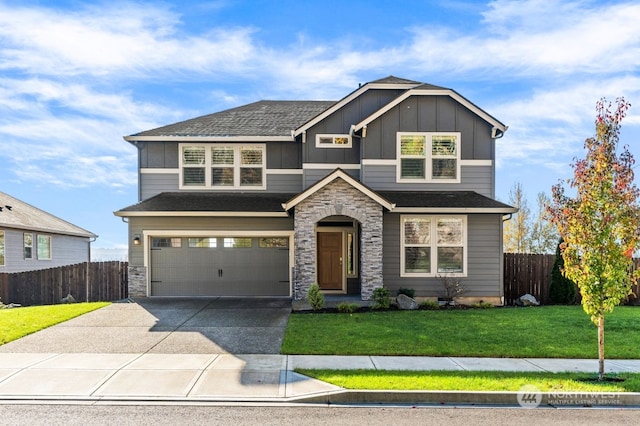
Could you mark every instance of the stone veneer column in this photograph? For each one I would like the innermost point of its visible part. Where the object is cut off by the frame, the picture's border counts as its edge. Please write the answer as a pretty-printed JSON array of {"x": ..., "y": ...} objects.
[
  {"x": 137, "y": 281},
  {"x": 338, "y": 198}
]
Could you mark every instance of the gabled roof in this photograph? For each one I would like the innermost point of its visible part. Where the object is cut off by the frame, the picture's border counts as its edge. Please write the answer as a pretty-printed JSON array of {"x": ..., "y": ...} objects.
[
  {"x": 338, "y": 174},
  {"x": 431, "y": 90},
  {"x": 389, "y": 82},
  {"x": 209, "y": 204},
  {"x": 262, "y": 120},
  {"x": 17, "y": 214}
]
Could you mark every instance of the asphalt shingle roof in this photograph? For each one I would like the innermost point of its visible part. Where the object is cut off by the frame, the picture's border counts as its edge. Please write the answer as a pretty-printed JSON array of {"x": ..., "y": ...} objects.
[
  {"x": 442, "y": 199},
  {"x": 262, "y": 118},
  {"x": 17, "y": 214},
  {"x": 212, "y": 202}
]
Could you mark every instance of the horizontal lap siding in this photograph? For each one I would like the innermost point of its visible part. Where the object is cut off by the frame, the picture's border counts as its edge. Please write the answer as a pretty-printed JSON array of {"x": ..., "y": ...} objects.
[
  {"x": 484, "y": 259},
  {"x": 474, "y": 178},
  {"x": 154, "y": 183}
]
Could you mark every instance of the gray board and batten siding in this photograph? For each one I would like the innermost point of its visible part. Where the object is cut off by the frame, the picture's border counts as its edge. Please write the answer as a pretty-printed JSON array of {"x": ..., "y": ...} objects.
[{"x": 484, "y": 261}]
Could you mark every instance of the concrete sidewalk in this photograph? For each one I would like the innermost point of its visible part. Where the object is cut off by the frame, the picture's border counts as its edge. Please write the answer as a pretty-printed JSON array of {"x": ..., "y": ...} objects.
[{"x": 243, "y": 378}]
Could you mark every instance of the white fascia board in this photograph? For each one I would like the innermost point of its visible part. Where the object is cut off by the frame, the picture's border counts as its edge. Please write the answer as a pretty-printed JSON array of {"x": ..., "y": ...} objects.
[
  {"x": 50, "y": 231},
  {"x": 455, "y": 210},
  {"x": 198, "y": 139},
  {"x": 348, "y": 99},
  {"x": 439, "y": 92},
  {"x": 201, "y": 214}
]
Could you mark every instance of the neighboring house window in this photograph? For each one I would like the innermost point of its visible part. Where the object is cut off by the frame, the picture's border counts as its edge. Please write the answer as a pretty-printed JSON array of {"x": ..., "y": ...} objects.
[
  {"x": 28, "y": 245},
  {"x": 223, "y": 166},
  {"x": 1, "y": 248},
  {"x": 44, "y": 247},
  {"x": 333, "y": 141},
  {"x": 428, "y": 157},
  {"x": 433, "y": 245}
]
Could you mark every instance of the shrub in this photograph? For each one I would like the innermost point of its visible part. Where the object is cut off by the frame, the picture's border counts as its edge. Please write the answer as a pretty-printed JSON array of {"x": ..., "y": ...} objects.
[
  {"x": 562, "y": 291},
  {"x": 407, "y": 292},
  {"x": 482, "y": 305},
  {"x": 381, "y": 298},
  {"x": 315, "y": 297},
  {"x": 430, "y": 305},
  {"x": 453, "y": 286},
  {"x": 347, "y": 308}
]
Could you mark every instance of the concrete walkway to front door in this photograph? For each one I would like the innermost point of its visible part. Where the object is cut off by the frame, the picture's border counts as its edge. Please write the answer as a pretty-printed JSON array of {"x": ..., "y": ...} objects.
[{"x": 170, "y": 326}]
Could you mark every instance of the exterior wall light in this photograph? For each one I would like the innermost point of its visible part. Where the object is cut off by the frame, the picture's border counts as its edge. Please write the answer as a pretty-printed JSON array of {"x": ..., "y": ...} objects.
[{"x": 136, "y": 240}]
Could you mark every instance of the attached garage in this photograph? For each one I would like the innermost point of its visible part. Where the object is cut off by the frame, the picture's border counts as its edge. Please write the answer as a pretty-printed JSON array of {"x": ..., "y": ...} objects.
[{"x": 219, "y": 266}]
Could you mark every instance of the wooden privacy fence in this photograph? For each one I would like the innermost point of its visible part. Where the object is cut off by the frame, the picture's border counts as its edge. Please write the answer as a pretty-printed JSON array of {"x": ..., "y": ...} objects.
[
  {"x": 86, "y": 282},
  {"x": 531, "y": 273}
]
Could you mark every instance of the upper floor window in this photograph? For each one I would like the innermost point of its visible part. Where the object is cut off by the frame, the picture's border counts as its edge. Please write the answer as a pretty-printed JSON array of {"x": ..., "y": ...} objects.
[
  {"x": 222, "y": 166},
  {"x": 433, "y": 245},
  {"x": 428, "y": 157},
  {"x": 28, "y": 245},
  {"x": 44, "y": 247},
  {"x": 333, "y": 141}
]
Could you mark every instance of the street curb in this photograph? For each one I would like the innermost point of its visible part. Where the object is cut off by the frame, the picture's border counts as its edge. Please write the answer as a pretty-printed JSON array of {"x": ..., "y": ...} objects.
[{"x": 548, "y": 399}]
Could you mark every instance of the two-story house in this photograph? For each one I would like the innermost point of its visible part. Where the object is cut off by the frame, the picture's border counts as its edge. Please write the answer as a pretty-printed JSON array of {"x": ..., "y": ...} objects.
[{"x": 392, "y": 186}]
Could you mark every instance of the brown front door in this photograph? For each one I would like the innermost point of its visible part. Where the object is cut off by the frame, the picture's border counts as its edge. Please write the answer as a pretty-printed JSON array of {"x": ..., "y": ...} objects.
[{"x": 330, "y": 275}]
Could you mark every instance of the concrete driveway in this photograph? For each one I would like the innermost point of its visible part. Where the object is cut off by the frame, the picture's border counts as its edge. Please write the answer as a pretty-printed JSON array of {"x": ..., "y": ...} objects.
[{"x": 168, "y": 326}]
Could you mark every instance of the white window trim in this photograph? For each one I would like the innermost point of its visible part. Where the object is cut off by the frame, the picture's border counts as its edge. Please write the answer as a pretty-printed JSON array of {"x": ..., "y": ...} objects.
[
  {"x": 434, "y": 247},
  {"x": 4, "y": 248},
  {"x": 236, "y": 167},
  {"x": 349, "y": 144},
  {"x": 428, "y": 157},
  {"x": 38, "y": 247}
]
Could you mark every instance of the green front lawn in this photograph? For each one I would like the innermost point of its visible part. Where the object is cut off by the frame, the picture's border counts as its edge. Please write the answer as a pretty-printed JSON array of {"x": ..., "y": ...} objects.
[
  {"x": 18, "y": 322},
  {"x": 474, "y": 380},
  {"x": 542, "y": 332}
]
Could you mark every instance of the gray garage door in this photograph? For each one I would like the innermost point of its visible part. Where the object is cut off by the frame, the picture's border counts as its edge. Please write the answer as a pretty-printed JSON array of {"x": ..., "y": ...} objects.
[{"x": 219, "y": 266}]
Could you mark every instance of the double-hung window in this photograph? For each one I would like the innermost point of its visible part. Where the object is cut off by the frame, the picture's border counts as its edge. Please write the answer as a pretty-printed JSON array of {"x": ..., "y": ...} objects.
[
  {"x": 433, "y": 245},
  {"x": 1, "y": 248},
  {"x": 222, "y": 166},
  {"x": 428, "y": 157},
  {"x": 44, "y": 247},
  {"x": 28, "y": 245}
]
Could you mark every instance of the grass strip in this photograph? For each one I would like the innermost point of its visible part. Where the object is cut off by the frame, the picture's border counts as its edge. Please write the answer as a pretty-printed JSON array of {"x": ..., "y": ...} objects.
[
  {"x": 475, "y": 380},
  {"x": 540, "y": 332},
  {"x": 19, "y": 322}
]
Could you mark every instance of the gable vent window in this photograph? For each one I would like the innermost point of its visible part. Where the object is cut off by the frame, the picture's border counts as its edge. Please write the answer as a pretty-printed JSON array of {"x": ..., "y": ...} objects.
[
  {"x": 222, "y": 166},
  {"x": 428, "y": 157},
  {"x": 333, "y": 141}
]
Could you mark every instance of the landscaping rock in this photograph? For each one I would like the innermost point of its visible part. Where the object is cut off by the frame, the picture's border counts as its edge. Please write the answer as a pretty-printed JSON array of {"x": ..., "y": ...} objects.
[
  {"x": 406, "y": 303},
  {"x": 68, "y": 299},
  {"x": 527, "y": 300}
]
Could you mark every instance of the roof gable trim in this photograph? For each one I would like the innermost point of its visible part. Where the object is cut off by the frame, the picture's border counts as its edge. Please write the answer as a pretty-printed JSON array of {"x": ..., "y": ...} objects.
[
  {"x": 349, "y": 98},
  {"x": 338, "y": 173},
  {"x": 439, "y": 92},
  {"x": 209, "y": 138}
]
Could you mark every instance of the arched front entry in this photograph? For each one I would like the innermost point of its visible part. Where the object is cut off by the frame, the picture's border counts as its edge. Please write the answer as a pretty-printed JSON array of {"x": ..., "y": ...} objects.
[{"x": 337, "y": 199}]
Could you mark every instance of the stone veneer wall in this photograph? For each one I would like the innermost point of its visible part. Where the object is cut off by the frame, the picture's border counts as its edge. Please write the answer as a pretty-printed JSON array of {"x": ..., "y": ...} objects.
[
  {"x": 338, "y": 198},
  {"x": 137, "y": 281}
]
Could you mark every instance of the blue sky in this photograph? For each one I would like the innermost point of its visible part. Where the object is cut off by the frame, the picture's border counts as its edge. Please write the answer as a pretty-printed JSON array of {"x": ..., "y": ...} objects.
[{"x": 77, "y": 76}]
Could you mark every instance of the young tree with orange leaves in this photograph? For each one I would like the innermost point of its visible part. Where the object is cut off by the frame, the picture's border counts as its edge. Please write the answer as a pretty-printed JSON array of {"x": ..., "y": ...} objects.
[{"x": 600, "y": 222}]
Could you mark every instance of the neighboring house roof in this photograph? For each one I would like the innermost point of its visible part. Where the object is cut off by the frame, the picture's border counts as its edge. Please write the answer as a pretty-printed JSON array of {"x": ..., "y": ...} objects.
[
  {"x": 445, "y": 201},
  {"x": 263, "y": 120},
  {"x": 209, "y": 204},
  {"x": 338, "y": 174},
  {"x": 20, "y": 215}
]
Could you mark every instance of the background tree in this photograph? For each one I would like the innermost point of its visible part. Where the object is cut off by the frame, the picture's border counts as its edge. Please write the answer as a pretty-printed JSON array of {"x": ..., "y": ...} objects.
[
  {"x": 600, "y": 223},
  {"x": 562, "y": 290},
  {"x": 544, "y": 236},
  {"x": 517, "y": 229}
]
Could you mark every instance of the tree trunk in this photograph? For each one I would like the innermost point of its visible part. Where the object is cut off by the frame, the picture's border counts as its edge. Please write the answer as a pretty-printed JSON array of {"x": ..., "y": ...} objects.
[{"x": 601, "y": 347}]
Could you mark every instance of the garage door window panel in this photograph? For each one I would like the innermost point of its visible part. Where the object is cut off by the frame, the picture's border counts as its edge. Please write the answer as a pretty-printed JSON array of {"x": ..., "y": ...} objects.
[
  {"x": 237, "y": 242},
  {"x": 203, "y": 242}
]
